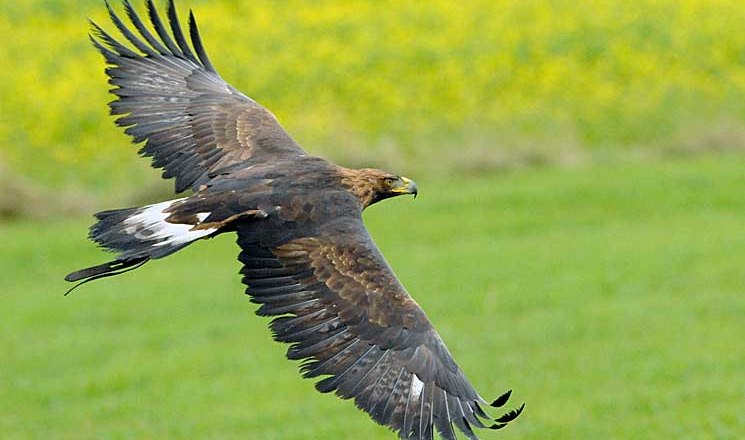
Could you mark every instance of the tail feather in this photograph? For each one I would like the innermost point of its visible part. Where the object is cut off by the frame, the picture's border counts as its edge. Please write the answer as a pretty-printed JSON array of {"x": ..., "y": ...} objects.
[
  {"x": 109, "y": 230},
  {"x": 146, "y": 231},
  {"x": 138, "y": 235}
]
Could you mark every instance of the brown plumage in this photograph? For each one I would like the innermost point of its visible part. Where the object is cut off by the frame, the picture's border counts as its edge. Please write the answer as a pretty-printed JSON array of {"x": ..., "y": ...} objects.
[{"x": 308, "y": 259}]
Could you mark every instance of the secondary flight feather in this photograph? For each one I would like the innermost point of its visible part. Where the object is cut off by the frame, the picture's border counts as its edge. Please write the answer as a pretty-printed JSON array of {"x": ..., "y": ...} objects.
[{"x": 308, "y": 259}]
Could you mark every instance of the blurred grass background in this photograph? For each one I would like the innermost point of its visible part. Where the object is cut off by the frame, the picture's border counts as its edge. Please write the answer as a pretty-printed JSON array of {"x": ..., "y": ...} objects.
[
  {"x": 610, "y": 299},
  {"x": 578, "y": 237}
]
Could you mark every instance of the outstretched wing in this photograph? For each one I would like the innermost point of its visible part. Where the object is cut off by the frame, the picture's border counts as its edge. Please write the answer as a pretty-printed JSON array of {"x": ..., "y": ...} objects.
[
  {"x": 195, "y": 125},
  {"x": 345, "y": 313}
]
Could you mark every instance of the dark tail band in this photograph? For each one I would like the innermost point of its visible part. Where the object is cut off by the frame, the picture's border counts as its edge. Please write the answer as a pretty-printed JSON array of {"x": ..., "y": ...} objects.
[{"x": 109, "y": 269}]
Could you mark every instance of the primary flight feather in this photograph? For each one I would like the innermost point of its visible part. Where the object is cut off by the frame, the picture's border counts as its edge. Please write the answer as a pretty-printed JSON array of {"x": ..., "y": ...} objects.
[{"x": 308, "y": 259}]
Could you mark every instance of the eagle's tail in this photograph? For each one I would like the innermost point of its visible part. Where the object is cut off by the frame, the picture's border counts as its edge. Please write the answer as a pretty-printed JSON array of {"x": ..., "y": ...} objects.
[{"x": 138, "y": 235}]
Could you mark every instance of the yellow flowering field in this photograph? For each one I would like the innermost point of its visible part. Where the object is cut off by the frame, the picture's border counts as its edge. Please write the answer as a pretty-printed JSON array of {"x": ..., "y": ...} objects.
[{"x": 419, "y": 85}]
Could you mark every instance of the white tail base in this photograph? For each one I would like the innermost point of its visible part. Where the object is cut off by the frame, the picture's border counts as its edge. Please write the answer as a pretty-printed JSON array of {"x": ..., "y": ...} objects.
[{"x": 150, "y": 224}]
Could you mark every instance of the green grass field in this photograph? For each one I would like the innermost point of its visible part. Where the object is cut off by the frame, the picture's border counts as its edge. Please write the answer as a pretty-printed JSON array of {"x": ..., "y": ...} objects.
[{"x": 609, "y": 297}]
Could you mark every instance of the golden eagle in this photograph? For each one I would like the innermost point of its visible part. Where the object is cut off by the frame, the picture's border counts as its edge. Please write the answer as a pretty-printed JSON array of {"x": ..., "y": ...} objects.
[{"x": 308, "y": 259}]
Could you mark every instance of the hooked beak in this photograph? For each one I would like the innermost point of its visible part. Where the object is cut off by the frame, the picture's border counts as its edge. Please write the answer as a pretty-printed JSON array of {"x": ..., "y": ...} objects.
[{"x": 407, "y": 186}]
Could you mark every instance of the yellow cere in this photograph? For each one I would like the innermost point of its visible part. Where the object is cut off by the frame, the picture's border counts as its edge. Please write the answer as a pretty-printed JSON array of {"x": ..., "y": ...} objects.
[{"x": 403, "y": 188}]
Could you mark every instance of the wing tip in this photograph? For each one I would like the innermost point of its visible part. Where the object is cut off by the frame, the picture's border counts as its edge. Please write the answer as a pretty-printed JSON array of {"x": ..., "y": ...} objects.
[
  {"x": 196, "y": 41},
  {"x": 511, "y": 415},
  {"x": 501, "y": 400}
]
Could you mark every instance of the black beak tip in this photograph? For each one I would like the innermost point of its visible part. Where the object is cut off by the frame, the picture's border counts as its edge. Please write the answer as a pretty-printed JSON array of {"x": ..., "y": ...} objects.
[{"x": 413, "y": 190}]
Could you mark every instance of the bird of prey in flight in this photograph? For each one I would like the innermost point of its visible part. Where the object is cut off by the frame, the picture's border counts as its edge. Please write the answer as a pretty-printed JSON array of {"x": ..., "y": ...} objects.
[{"x": 308, "y": 259}]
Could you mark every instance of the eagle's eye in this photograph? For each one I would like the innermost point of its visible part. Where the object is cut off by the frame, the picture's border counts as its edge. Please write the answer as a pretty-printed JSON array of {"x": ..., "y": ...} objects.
[{"x": 389, "y": 181}]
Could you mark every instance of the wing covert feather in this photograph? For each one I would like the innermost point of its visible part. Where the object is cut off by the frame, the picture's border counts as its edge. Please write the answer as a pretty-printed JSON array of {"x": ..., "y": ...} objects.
[{"x": 350, "y": 321}]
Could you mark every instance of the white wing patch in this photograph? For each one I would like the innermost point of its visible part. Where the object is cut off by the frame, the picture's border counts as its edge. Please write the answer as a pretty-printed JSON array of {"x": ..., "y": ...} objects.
[
  {"x": 416, "y": 386},
  {"x": 150, "y": 224}
]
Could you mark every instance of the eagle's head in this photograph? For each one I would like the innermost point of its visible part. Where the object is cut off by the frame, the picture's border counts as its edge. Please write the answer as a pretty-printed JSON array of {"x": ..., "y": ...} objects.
[{"x": 372, "y": 185}]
